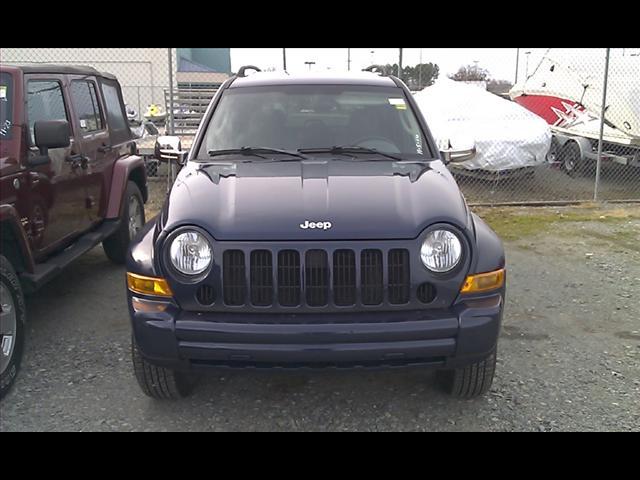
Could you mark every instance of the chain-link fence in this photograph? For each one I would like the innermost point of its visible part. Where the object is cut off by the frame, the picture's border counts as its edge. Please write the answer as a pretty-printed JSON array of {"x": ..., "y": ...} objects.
[
  {"x": 541, "y": 143},
  {"x": 555, "y": 142}
]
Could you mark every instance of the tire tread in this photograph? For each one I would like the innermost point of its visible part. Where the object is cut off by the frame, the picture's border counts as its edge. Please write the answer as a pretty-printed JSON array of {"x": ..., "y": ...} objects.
[
  {"x": 472, "y": 380},
  {"x": 158, "y": 382}
]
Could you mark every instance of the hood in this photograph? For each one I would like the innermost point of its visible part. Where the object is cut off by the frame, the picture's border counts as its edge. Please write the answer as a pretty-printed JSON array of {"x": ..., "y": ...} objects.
[{"x": 350, "y": 200}]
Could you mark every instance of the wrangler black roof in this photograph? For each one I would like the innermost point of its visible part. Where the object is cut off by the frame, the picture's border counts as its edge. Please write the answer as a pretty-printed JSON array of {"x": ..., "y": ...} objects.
[{"x": 61, "y": 69}]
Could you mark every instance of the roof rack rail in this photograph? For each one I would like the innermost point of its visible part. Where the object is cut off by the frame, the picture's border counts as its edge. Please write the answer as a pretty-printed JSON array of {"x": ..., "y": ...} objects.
[{"x": 241, "y": 72}]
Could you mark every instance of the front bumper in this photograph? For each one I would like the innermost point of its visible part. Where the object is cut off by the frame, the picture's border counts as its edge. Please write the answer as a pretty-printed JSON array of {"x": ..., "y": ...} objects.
[{"x": 449, "y": 338}]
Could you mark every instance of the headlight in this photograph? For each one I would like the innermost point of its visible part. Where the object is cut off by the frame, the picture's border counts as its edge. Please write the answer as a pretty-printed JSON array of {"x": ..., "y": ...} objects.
[
  {"x": 190, "y": 253},
  {"x": 441, "y": 251}
]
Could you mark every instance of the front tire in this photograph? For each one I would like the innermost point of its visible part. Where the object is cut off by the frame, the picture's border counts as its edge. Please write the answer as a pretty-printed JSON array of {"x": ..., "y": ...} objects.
[
  {"x": 132, "y": 220},
  {"x": 159, "y": 382},
  {"x": 12, "y": 325},
  {"x": 470, "y": 381}
]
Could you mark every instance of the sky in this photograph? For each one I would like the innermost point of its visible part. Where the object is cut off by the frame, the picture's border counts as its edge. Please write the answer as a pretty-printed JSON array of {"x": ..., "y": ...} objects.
[{"x": 500, "y": 62}]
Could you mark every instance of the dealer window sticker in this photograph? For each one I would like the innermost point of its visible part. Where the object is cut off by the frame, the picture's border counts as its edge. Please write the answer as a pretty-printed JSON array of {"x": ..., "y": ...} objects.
[
  {"x": 3, "y": 92},
  {"x": 398, "y": 103}
]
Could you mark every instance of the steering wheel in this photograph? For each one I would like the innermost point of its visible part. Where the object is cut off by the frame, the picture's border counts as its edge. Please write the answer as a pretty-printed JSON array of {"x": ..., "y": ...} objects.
[{"x": 387, "y": 144}]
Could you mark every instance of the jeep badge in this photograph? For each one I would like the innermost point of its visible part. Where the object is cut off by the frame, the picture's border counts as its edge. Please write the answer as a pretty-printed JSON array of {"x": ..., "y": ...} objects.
[{"x": 322, "y": 225}]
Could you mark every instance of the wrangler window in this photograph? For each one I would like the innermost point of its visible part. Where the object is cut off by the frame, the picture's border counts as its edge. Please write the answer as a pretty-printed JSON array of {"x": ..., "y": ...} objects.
[
  {"x": 45, "y": 101},
  {"x": 85, "y": 102},
  {"x": 118, "y": 126}
]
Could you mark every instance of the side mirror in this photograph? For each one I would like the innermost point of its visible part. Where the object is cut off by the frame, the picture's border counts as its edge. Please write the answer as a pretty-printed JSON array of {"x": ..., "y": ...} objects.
[
  {"x": 457, "y": 154},
  {"x": 151, "y": 128},
  {"x": 51, "y": 134},
  {"x": 169, "y": 149}
]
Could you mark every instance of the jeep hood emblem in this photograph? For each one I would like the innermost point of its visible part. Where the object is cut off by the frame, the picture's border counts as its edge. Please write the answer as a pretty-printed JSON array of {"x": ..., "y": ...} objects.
[{"x": 321, "y": 225}]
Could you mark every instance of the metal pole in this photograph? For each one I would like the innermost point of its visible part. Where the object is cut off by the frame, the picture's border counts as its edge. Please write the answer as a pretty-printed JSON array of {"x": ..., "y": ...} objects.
[
  {"x": 284, "y": 59},
  {"x": 517, "y": 64},
  {"x": 400, "y": 66},
  {"x": 420, "y": 72},
  {"x": 171, "y": 125},
  {"x": 139, "y": 104},
  {"x": 348, "y": 59},
  {"x": 602, "y": 112}
]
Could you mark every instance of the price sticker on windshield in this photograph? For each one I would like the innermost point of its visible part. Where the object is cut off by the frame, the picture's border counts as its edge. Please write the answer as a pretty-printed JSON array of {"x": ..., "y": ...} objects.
[
  {"x": 398, "y": 103},
  {"x": 3, "y": 92}
]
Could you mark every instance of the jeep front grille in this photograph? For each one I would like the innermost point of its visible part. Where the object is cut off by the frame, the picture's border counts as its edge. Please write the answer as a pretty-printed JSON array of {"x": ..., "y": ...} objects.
[
  {"x": 316, "y": 278},
  {"x": 316, "y": 274},
  {"x": 371, "y": 285},
  {"x": 261, "y": 279},
  {"x": 398, "y": 276},
  {"x": 289, "y": 278},
  {"x": 233, "y": 277},
  {"x": 344, "y": 277}
]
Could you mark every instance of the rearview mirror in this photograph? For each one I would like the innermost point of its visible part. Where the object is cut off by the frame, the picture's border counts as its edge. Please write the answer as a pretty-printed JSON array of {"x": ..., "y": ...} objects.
[
  {"x": 169, "y": 149},
  {"x": 51, "y": 134}
]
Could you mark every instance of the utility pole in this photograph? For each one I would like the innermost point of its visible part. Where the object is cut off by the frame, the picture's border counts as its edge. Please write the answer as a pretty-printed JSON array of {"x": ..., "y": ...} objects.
[
  {"x": 400, "y": 66},
  {"x": 348, "y": 59},
  {"x": 284, "y": 59}
]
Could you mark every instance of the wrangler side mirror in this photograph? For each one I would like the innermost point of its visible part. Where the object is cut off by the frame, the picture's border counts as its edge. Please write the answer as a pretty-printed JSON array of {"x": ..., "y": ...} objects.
[{"x": 49, "y": 134}]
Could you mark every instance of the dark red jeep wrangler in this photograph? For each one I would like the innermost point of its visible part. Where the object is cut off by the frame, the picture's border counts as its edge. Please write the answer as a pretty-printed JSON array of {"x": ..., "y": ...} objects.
[{"x": 69, "y": 179}]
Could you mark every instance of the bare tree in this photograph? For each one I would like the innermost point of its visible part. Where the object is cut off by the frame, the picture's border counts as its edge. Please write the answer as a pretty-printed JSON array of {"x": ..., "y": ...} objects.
[
  {"x": 470, "y": 73},
  {"x": 416, "y": 77}
]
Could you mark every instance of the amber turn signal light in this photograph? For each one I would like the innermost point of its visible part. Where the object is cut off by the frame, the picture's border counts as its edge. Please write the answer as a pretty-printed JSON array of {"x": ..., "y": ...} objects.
[
  {"x": 148, "y": 285},
  {"x": 483, "y": 282}
]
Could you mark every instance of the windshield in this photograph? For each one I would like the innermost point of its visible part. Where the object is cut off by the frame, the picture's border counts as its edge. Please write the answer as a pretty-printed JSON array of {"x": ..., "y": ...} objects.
[
  {"x": 6, "y": 105},
  {"x": 295, "y": 117}
]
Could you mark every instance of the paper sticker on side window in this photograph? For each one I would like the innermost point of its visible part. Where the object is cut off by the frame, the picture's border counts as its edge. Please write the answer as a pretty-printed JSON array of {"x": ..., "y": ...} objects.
[
  {"x": 398, "y": 103},
  {"x": 3, "y": 92}
]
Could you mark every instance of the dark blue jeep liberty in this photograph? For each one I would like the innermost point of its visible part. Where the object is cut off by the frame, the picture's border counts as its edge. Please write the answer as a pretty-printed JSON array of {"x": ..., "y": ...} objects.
[{"x": 314, "y": 224}]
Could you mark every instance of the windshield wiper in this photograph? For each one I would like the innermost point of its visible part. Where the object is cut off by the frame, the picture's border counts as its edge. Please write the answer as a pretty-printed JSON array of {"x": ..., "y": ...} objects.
[
  {"x": 255, "y": 151},
  {"x": 346, "y": 150}
]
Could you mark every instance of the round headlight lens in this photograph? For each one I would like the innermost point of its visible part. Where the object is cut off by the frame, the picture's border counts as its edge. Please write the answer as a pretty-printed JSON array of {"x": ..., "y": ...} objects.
[
  {"x": 190, "y": 253},
  {"x": 441, "y": 251}
]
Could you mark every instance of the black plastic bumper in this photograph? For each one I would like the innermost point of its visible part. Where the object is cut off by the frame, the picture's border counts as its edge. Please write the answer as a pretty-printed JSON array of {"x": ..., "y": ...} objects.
[{"x": 449, "y": 338}]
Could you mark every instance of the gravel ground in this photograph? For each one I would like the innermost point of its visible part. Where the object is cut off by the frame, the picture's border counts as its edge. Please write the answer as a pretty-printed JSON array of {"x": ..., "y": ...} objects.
[{"x": 569, "y": 358}]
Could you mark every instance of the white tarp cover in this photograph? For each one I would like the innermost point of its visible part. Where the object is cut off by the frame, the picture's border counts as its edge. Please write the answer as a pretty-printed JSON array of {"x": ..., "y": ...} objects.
[{"x": 506, "y": 135}]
